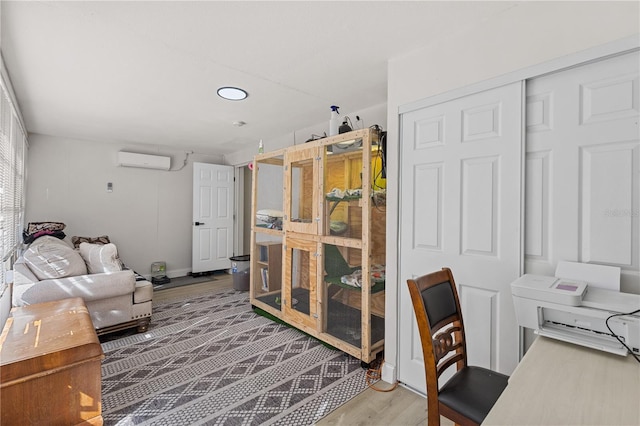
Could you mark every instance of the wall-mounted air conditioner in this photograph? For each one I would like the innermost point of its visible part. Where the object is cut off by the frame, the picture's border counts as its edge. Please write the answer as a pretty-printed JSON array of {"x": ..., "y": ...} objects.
[{"x": 145, "y": 161}]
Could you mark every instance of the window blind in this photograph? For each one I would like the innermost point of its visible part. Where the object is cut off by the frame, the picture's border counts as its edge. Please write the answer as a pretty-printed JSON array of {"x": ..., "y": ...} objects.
[{"x": 12, "y": 172}]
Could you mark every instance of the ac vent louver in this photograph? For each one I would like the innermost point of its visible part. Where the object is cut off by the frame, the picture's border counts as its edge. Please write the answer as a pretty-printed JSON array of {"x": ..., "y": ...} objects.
[{"x": 144, "y": 161}]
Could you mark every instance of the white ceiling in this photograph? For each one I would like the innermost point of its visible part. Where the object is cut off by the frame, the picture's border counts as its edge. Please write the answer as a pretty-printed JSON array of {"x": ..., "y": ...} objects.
[{"x": 147, "y": 72}]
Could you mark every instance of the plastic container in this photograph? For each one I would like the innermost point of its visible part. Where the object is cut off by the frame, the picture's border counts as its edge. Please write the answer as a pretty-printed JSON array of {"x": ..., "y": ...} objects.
[
  {"x": 158, "y": 273},
  {"x": 158, "y": 269},
  {"x": 334, "y": 121}
]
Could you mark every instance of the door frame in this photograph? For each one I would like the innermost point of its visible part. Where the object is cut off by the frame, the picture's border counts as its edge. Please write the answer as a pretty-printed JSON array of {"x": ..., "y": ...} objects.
[
  {"x": 614, "y": 48},
  {"x": 240, "y": 224}
]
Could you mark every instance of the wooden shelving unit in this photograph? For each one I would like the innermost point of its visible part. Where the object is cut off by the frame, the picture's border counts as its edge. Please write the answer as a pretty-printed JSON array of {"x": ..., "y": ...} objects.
[
  {"x": 269, "y": 262},
  {"x": 328, "y": 235}
]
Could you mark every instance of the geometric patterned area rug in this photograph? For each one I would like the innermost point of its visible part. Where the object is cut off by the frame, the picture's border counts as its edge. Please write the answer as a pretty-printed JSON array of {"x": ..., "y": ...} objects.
[{"x": 210, "y": 360}]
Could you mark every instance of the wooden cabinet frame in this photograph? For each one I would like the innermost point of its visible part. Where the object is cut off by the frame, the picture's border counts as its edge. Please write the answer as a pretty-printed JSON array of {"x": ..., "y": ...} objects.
[{"x": 322, "y": 180}]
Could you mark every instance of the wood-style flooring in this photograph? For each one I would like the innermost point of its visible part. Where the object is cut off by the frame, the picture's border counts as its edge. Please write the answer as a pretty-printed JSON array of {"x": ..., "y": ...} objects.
[
  {"x": 398, "y": 407},
  {"x": 220, "y": 282}
]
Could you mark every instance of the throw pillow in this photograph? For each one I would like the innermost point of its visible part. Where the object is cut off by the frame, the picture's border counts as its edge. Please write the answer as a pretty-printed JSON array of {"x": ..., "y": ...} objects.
[
  {"x": 269, "y": 215},
  {"x": 76, "y": 241},
  {"x": 49, "y": 257},
  {"x": 100, "y": 258}
]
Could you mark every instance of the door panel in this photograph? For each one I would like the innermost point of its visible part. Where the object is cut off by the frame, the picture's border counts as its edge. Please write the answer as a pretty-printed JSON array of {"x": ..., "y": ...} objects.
[
  {"x": 428, "y": 206},
  {"x": 300, "y": 285},
  {"x": 604, "y": 168},
  {"x": 212, "y": 217},
  {"x": 461, "y": 168},
  {"x": 583, "y": 168},
  {"x": 480, "y": 178},
  {"x": 301, "y": 207},
  {"x": 480, "y": 309}
]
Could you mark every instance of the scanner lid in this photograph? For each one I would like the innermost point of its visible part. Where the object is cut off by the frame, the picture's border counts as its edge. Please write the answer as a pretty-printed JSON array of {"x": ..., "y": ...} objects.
[{"x": 549, "y": 289}]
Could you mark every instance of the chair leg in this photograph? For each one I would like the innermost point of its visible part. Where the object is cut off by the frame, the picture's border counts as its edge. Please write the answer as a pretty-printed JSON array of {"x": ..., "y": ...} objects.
[{"x": 433, "y": 414}]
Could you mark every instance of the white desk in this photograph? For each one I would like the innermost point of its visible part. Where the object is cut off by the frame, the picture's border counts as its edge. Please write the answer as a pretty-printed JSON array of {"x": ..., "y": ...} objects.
[{"x": 559, "y": 383}]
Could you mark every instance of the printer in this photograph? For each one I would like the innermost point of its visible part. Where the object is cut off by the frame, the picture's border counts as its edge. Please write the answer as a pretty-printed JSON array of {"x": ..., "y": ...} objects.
[{"x": 575, "y": 311}]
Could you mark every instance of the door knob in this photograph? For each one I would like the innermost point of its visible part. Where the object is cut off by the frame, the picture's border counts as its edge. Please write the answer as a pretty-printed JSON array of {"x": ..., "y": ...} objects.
[{"x": 199, "y": 223}]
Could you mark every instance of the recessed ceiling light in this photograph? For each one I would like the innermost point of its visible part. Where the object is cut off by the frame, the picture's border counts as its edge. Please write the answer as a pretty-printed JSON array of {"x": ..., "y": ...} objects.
[{"x": 232, "y": 93}]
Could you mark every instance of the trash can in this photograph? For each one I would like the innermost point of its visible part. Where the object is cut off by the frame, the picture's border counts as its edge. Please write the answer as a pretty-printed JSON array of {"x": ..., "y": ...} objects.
[
  {"x": 240, "y": 269},
  {"x": 241, "y": 262},
  {"x": 241, "y": 280}
]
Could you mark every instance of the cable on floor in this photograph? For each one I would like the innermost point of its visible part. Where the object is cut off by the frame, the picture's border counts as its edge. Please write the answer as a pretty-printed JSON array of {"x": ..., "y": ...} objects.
[{"x": 374, "y": 375}]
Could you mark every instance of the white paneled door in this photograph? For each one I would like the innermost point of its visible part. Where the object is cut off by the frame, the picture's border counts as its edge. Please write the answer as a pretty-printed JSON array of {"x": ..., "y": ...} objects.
[
  {"x": 583, "y": 168},
  {"x": 213, "y": 194},
  {"x": 460, "y": 207}
]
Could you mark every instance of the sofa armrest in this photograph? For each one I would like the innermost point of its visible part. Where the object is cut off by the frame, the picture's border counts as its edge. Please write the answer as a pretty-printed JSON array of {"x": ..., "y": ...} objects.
[
  {"x": 22, "y": 274},
  {"x": 89, "y": 287}
]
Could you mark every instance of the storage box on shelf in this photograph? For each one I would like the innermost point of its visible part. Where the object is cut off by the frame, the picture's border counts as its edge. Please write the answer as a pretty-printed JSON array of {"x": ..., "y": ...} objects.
[{"x": 319, "y": 209}]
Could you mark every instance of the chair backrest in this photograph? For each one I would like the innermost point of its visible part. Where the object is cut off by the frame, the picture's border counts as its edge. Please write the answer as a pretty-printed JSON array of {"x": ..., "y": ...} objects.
[{"x": 436, "y": 305}]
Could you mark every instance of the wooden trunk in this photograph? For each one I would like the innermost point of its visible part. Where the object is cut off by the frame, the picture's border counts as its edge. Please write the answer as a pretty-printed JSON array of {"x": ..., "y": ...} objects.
[{"x": 50, "y": 366}]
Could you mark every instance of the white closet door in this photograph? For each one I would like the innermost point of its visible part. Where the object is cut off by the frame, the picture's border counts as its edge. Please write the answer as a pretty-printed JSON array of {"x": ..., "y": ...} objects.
[
  {"x": 461, "y": 188},
  {"x": 583, "y": 173}
]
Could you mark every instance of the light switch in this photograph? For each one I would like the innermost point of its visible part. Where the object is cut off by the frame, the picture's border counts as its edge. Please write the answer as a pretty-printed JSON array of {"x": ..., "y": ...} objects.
[{"x": 109, "y": 187}]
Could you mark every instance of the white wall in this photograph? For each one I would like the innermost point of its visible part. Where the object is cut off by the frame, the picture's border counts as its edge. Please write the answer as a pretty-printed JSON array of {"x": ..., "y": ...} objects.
[
  {"x": 527, "y": 34},
  {"x": 376, "y": 114},
  {"x": 148, "y": 215}
]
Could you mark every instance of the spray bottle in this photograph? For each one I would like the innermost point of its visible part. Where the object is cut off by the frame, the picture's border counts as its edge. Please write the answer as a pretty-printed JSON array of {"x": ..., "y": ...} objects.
[{"x": 334, "y": 121}]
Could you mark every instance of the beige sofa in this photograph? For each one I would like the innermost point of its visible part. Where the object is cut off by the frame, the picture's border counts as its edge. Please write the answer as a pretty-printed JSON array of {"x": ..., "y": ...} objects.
[{"x": 51, "y": 269}]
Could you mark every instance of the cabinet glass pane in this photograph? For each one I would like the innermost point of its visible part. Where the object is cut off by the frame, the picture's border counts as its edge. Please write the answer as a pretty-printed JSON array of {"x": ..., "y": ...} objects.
[
  {"x": 302, "y": 191},
  {"x": 343, "y": 189},
  {"x": 342, "y": 287},
  {"x": 301, "y": 280},
  {"x": 269, "y": 192}
]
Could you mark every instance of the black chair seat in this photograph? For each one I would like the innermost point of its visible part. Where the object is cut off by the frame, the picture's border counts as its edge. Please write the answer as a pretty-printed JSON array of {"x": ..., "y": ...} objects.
[{"x": 472, "y": 392}]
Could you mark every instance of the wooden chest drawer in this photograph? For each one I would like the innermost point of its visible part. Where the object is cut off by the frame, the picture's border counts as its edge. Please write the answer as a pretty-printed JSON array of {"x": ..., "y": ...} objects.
[{"x": 50, "y": 366}]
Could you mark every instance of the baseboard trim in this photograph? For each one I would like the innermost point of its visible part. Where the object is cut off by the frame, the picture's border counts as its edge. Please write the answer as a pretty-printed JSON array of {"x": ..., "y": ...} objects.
[
  {"x": 175, "y": 273},
  {"x": 389, "y": 373},
  {"x": 178, "y": 273}
]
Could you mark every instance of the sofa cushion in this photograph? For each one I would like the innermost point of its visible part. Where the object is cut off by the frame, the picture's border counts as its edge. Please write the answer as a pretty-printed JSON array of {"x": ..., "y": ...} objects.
[
  {"x": 49, "y": 257},
  {"x": 100, "y": 258},
  {"x": 89, "y": 286},
  {"x": 144, "y": 292}
]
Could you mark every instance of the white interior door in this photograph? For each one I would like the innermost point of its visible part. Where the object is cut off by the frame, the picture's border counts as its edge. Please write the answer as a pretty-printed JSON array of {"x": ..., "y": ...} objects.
[
  {"x": 583, "y": 168},
  {"x": 213, "y": 195},
  {"x": 460, "y": 207}
]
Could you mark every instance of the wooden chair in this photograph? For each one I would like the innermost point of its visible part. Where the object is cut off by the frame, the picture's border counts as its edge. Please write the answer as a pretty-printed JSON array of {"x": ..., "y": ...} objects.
[{"x": 469, "y": 395}]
